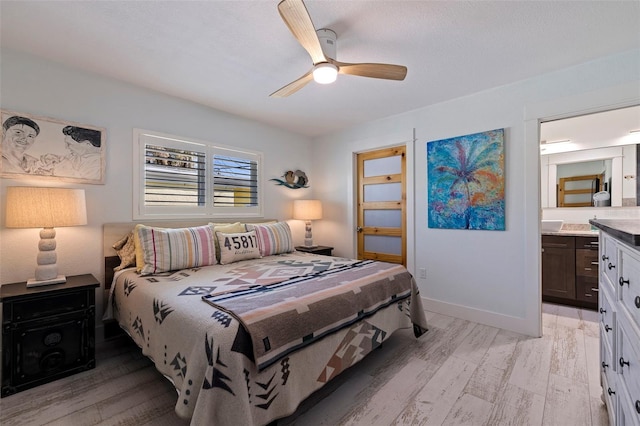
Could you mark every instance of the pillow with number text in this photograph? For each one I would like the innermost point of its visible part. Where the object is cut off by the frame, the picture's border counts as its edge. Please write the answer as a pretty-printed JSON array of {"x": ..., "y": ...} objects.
[{"x": 238, "y": 246}]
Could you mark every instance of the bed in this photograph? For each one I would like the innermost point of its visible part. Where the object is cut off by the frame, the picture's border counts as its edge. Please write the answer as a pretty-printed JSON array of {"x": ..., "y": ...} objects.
[{"x": 247, "y": 338}]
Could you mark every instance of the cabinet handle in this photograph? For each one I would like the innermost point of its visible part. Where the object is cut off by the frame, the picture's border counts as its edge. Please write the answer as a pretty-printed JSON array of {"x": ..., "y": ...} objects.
[
  {"x": 604, "y": 365},
  {"x": 594, "y": 263},
  {"x": 607, "y": 328},
  {"x": 622, "y": 281},
  {"x": 610, "y": 392},
  {"x": 623, "y": 362},
  {"x": 611, "y": 266},
  {"x": 637, "y": 302},
  {"x": 603, "y": 311},
  {"x": 595, "y": 290},
  {"x": 605, "y": 258},
  {"x": 587, "y": 269},
  {"x": 638, "y": 406}
]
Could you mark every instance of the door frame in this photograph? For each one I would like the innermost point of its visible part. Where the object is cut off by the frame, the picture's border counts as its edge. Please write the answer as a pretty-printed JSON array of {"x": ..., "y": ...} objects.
[{"x": 534, "y": 115}]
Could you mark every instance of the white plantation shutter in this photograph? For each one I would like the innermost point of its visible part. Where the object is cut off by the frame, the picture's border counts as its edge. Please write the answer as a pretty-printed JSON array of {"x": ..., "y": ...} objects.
[
  {"x": 174, "y": 177},
  {"x": 235, "y": 181},
  {"x": 178, "y": 177}
]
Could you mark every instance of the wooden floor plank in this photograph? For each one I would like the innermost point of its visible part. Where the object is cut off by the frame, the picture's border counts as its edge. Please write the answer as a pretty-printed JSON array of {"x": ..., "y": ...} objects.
[
  {"x": 568, "y": 358},
  {"x": 476, "y": 344},
  {"x": 433, "y": 402},
  {"x": 567, "y": 403},
  {"x": 391, "y": 398},
  {"x": 516, "y": 406},
  {"x": 469, "y": 410},
  {"x": 532, "y": 363}
]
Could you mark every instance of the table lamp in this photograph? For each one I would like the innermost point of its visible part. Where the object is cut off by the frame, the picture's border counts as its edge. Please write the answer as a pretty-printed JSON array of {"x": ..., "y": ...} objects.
[
  {"x": 31, "y": 207},
  {"x": 307, "y": 210}
]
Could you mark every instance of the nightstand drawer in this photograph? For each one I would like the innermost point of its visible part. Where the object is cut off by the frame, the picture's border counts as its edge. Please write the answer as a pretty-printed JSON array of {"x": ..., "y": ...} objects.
[
  {"x": 46, "y": 305},
  {"x": 321, "y": 250}
]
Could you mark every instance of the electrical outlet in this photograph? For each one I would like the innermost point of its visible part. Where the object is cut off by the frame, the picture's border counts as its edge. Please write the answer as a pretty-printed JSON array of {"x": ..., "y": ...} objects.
[{"x": 422, "y": 273}]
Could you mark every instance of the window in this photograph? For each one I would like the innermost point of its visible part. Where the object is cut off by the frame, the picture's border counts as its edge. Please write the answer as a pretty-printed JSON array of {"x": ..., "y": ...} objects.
[{"x": 179, "y": 177}]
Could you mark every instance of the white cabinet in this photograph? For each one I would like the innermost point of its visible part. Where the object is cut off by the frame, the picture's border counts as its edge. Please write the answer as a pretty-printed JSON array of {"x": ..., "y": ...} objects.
[{"x": 619, "y": 307}]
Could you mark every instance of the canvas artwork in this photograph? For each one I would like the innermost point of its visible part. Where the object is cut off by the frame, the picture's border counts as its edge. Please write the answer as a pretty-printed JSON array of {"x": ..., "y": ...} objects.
[
  {"x": 45, "y": 148},
  {"x": 466, "y": 182}
]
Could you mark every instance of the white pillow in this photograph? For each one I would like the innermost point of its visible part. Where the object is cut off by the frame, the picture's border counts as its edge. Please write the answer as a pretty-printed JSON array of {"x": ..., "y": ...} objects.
[{"x": 238, "y": 246}]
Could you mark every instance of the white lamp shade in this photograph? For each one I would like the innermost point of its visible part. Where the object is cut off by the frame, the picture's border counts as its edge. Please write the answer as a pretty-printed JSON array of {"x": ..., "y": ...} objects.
[
  {"x": 31, "y": 207},
  {"x": 307, "y": 209}
]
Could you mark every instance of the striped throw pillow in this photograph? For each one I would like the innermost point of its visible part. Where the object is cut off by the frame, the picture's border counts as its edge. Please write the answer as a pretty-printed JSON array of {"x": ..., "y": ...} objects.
[
  {"x": 165, "y": 249},
  {"x": 273, "y": 238}
]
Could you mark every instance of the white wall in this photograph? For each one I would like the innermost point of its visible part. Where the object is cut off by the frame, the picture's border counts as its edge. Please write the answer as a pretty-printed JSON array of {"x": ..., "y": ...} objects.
[
  {"x": 31, "y": 85},
  {"x": 492, "y": 277}
]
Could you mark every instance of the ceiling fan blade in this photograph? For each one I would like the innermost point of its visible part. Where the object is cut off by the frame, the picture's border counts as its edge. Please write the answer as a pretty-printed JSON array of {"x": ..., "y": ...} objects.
[
  {"x": 384, "y": 71},
  {"x": 294, "y": 86},
  {"x": 295, "y": 15}
]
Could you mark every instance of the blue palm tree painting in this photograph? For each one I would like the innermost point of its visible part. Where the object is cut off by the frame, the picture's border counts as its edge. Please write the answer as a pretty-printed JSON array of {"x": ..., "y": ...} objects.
[{"x": 466, "y": 182}]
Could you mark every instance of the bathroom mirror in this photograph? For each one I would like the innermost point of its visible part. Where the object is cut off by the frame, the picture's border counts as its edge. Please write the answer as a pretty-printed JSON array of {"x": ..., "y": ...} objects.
[{"x": 583, "y": 155}]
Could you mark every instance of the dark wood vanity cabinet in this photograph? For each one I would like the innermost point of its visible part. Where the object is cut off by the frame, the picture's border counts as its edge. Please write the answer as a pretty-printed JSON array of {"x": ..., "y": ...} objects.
[
  {"x": 570, "y": 270},
  {"x": 558, "y": 267}
]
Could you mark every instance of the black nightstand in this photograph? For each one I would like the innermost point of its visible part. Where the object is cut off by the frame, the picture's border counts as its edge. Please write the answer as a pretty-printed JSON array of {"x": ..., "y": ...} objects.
[
  {"x": 323, "y": 250},
  {"x": 47, "y": 332}
]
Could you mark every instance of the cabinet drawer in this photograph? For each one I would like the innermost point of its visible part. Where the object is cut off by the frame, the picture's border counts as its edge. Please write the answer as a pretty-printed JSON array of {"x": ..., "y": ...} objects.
[
  {"x": 628, "y": 407},
  {"x": 590, "y": 243},
  {"x": 607, "y": 322},
  {"x": 47, "y": 305},
  {"x": 607, "y": 360},
  {"x": 628, "y": 360},
  {"x": 587, "y": 263},
  {"x": 629, "y": 286},
  {"x": 609, "y": 260},
  {"x": 587, "y": 289},
  {"x": 609, "y": 392},
  {"x": 553, "y": 241}
]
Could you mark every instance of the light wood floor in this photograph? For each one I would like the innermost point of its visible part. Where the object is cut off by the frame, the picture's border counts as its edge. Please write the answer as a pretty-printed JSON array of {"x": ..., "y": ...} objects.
[{"x": 459, "y": 373}]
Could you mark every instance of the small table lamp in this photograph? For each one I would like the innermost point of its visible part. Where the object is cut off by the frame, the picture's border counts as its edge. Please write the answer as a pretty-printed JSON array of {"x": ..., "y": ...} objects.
[
  {"x": 307, "y": 210},
  {"x": 30, "y": 207}
]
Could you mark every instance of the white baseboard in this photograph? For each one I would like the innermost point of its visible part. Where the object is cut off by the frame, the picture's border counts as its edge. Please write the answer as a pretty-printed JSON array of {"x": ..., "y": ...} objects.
[{"x": 506, "y": 322}]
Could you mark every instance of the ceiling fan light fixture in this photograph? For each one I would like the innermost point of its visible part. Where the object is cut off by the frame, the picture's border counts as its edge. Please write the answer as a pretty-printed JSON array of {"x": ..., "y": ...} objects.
[{"x": 325, "y": 73}]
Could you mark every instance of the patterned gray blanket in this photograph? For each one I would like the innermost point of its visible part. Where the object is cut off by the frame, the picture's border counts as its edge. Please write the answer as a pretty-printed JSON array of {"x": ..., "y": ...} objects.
[{"x": 287, "y": 315}]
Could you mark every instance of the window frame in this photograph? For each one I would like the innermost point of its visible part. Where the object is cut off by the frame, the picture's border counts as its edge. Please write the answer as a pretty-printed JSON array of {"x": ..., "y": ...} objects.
[{"x": 142, "y": 137}]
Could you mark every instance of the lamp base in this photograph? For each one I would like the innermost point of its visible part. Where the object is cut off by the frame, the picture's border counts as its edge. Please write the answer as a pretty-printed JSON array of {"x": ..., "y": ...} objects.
[{"x": 57, "y": 280}]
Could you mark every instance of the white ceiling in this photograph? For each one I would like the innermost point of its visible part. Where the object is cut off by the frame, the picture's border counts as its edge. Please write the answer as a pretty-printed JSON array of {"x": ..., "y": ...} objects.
[{"x": 231, "y": 55}]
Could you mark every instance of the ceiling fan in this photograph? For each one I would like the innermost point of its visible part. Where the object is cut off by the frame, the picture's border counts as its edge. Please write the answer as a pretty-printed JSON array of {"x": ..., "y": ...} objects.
[{"x": 321, "y": 46}]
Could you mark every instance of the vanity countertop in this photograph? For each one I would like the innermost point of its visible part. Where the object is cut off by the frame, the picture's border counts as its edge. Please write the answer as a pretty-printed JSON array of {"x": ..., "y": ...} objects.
[
  {"x": 573, "y": 233},
  {"x": 627, "y": 230},
  {"x": 574, "y": 230}
]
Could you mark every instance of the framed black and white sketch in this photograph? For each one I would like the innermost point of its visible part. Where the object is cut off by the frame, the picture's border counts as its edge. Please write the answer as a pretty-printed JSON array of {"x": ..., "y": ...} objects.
[{"x": 46, "y": 148}]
